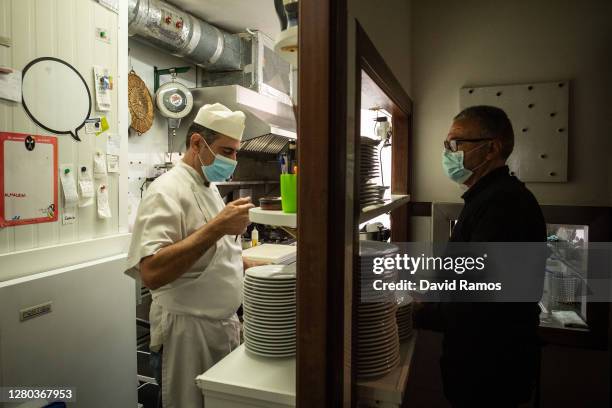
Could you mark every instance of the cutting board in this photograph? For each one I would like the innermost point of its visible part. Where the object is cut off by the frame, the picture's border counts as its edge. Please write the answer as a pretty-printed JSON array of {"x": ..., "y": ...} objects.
[{"x": 273, "y": 253}]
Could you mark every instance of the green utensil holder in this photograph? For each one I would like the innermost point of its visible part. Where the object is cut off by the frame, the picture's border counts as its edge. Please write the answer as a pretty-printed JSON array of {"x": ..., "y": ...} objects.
[{"x": 288, "y": 188}]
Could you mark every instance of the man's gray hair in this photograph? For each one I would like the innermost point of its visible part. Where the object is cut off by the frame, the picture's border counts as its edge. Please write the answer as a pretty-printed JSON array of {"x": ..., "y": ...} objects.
[
  {"x": 493, "y": 123},
  {"x": 208, "y": 134}
]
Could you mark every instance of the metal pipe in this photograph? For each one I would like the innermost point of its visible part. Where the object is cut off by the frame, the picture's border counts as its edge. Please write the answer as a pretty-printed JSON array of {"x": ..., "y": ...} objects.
[{"x": 184, "y": 35}]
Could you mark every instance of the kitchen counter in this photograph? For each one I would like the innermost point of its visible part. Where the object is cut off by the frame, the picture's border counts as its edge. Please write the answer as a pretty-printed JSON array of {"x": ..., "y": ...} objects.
[{"x": 244, "y": 380}]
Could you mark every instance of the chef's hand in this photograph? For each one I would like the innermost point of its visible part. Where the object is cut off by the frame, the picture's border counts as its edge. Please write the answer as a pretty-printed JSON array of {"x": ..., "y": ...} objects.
[
  {"x": 234, "y": 218},
  {"x": 251, "y": 263}
]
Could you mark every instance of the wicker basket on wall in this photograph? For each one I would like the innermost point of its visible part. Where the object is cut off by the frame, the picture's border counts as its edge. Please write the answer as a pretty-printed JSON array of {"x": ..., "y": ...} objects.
[{"x": 140, "y": 104}]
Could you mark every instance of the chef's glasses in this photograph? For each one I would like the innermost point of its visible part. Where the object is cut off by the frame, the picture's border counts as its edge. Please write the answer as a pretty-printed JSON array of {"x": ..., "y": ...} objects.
[{"x": 453, "y": 144}]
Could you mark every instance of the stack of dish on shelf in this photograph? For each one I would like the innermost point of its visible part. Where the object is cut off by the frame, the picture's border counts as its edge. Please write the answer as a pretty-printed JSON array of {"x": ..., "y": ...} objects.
[
  {"x": 404, "y": 320},
  {"x": 377, "y": 331},
  {"x": 369, "y": 193},
  {"x": 269, "y": 310}
]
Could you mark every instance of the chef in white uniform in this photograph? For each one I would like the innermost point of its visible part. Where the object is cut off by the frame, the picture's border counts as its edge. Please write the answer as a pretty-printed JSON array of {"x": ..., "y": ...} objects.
[{"x": 184, "y": 249}]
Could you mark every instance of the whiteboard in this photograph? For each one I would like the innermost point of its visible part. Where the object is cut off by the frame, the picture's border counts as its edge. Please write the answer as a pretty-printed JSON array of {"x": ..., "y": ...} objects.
[
  {"x": 539, "y": 113},
  {"x": 28, "y": 179}
]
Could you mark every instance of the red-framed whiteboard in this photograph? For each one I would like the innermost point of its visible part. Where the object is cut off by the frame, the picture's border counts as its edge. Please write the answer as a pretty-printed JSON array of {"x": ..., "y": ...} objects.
[{"x": 28, "y": 179}]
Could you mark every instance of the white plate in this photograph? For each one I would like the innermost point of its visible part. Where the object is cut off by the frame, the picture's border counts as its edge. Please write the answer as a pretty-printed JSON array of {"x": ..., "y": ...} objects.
[
  {"x": 268, "y": 317},
  {"x": 272, "y": 283},
  {"x": 272, "y": 272},
  {"x": 381, "y": 365},
  {"x": 271, "y": 301},
  {"x": 269, "y": 294},
  {"x": 272, "y": 355},
  {"x": 280, "y": 325},
  {"x": 267, "y": 330},
  {"x": 364, "y": 332},
  {"x": 269, "y": 309},
  {"x": 269, "y": 288},
  {"x": 374, "y": 319},
  {"x": 365, "y": 340},
  {"x": 277, "y": 328},
  {"x": 378, "y": 357},
  {"x": 268, "y": 343},
  {"x": 367, "y": 353},
  {"x": 272, "y": 348},
  {"x": 272, "y": 338}
]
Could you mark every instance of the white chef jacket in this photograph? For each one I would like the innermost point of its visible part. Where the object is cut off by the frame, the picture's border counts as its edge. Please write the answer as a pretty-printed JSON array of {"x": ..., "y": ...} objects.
[{"x": 194, "y": 317}]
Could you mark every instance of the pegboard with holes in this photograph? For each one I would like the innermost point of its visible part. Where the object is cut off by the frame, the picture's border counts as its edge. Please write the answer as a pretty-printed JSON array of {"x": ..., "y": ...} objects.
[{"x": 539, "y": 114}]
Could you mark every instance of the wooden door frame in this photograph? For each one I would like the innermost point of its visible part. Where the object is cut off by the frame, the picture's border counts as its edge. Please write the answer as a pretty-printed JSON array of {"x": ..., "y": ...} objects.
[
  {"x": 323, "y": 367},
  {"x": 327, "y": 233}
]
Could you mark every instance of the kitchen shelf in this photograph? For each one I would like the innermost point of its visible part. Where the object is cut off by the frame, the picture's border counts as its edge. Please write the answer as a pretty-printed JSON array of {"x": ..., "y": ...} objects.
[
  {"x": 390, "y": 389},
  {"x": 271, "y": 217},
  {"x": 373, "y": 211}
]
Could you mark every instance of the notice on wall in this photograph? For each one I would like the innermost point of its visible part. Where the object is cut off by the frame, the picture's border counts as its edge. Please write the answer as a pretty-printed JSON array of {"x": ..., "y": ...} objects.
[
  {"x": 112, "y": 162},
  {"x": 93, "y": 126},
  {"x": 104, "y": 210},
  {"x": 10, "y": 85},
  {"x": 69, "y": 188},
  {"x": 86, "y": 187},
  {"x": 103, "y": 86},
  {"x": 99, "y": 164},
  {"x": 28, "y": 179},
  {"x": 113, "y": 144}
]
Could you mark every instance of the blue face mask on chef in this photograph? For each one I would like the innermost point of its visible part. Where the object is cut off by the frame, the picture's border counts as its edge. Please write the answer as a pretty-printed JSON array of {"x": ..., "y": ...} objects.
[
  {"x": 452, "y": 163},
  {"x": 221, "y": 168}
]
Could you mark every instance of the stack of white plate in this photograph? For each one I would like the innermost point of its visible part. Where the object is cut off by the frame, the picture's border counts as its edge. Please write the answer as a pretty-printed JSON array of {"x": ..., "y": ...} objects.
[
  {"x": 377, "y": 339},
  {"x": 377, "y": 331},
  {"x": 369, "y": 193},
  {"x": 269, "y": 310},
  {"x": 404, "y": 321}
]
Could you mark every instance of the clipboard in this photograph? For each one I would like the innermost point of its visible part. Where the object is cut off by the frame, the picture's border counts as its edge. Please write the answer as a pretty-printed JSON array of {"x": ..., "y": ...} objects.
[{"x": 28, "y": 179}]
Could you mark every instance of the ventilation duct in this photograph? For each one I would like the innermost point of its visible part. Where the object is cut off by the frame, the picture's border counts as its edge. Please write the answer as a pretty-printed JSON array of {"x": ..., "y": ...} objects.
[{"x": 185, "y": 36}]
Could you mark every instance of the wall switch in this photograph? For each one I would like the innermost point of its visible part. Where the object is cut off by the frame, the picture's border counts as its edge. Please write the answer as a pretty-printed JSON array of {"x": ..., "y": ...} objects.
[{"x": 34, "y": 311}]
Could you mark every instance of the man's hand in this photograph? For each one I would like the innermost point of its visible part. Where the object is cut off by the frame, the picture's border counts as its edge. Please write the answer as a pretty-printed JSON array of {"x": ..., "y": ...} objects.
[
  {"x": 250, "y": 263},
  {"x": 234, "y": 218}
]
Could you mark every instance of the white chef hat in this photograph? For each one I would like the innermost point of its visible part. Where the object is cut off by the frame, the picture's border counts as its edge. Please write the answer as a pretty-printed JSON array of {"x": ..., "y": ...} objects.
[{"x": 219, "y": 118}]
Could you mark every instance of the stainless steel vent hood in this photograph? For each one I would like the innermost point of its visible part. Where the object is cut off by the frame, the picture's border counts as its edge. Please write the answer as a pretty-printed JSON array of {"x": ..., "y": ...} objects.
[{"x": 264, "y": 115}]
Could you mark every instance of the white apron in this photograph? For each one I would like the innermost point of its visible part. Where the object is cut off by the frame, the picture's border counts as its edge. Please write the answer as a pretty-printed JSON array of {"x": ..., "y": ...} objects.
[{"x": 194, "y": 317}]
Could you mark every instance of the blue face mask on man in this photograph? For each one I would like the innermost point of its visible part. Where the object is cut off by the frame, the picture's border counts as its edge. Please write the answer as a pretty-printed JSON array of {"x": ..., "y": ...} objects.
[
  {"x": 221, "y": 168},
  {"x": 452, "y": 163}
]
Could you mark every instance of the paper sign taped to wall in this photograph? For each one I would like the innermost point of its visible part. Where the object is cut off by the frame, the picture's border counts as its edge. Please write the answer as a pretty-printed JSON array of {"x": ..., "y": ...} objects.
[
  {"x": 104, "y": 210},
  {"x": 10, "y": 86},
  {"x": 86, "y": 187},
  {"x": 69, "y": 187},
  {"x": 28, "y": 179},
  {"x": 99, "y": 164},
  {"x": 113, "y": 163}
]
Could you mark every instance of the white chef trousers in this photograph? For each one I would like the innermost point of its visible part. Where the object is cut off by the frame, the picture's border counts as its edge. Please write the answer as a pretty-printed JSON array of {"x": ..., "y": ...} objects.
[{"x": 191, "y": 345}]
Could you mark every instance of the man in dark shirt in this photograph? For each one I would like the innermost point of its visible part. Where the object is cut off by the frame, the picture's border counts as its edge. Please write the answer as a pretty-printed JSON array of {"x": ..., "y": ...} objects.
[{"x": 490, "y": 351}]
